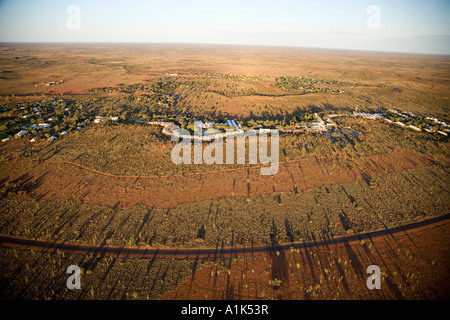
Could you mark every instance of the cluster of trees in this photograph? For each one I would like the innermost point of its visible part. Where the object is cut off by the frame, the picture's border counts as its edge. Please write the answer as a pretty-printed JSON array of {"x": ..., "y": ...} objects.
[
  {"x": 305, "y": 84},
  {"x": 282, "y": 122},
  {"x": 65, "y": 116}
]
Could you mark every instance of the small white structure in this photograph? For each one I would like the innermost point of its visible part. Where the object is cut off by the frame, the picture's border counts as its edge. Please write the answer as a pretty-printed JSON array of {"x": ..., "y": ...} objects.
[
  {"x": 414, "y": 128},
  {"x": 33, "y": 139},
  {"x": 442, "y": 133},
  {"x": 43, "y": 125},
  {"x": 401, "y": 124},
  {"x": 115, "y": 118},
  {"x": 207, "y": 125},
  {"x": 52, "y": 138},
  {"x": 317, "y": 126},
  {"x": 369, "y": 115},
  {"x": 6, "y": 139},
  {"x": 21, "y": 133},
  {"x": 63, "y": 133}
]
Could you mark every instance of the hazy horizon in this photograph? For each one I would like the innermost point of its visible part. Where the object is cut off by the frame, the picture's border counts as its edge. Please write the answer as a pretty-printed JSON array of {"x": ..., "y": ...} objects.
[
  {"x": 380, "y": 26},
  {"x": 37, "y": 43}
]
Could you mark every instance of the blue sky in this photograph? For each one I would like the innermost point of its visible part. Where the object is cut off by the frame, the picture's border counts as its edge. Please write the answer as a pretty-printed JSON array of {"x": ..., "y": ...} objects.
[{"x": 418, "y": 26}]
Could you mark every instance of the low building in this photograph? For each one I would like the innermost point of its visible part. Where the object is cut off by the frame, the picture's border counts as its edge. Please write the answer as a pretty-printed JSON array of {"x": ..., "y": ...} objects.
[
  {"x": 414, "y": 128},
  {"x": 319, "y": 126},
  {"x": 21, "y": 133},
  {"x": 369, "y": 115}
]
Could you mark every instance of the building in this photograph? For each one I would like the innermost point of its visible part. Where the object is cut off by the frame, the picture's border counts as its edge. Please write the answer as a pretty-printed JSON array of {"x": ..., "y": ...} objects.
[
  {"x": 318, "y": 126},
  {"x": 414, "y": 128},
  {"x": 369, "y": 115},
  {"x": 21, "y": 133}
]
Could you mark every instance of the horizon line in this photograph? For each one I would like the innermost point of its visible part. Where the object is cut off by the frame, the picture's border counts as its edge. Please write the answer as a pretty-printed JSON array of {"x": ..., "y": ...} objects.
[{"x": 216, "y": 44}]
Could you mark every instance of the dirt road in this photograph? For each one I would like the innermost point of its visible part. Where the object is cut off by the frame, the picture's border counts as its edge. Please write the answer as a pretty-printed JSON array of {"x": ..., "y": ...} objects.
[{"x": 218, "y": 252}]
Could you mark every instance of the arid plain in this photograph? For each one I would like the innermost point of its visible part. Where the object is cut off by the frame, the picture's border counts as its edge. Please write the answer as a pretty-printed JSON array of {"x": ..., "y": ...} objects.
[{"x": 86, "y": 176}]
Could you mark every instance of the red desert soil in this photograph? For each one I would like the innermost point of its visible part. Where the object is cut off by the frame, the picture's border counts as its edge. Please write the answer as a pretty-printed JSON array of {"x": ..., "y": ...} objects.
[
  {"x": 60, "y": 180},
  {"x": 414, "y": 265}
]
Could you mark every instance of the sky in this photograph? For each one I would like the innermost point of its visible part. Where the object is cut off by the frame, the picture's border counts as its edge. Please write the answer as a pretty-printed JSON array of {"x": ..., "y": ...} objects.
[{"x": 415, "y": 26}]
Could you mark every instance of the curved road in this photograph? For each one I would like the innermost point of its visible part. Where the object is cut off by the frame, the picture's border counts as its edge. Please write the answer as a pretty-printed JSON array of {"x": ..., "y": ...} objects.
[{"x": 218, "y": 252}]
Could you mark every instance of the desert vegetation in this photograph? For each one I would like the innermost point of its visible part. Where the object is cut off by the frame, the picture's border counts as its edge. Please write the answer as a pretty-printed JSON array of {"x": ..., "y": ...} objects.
[{"x": 86, "y": 162}]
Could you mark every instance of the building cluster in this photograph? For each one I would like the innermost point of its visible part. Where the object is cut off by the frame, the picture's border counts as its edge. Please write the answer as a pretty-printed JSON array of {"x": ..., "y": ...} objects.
[
  {"x": 369, "y": 115},
  {"x": 212, "y": 129},
  {"x": 171, "y": 129},
  {"x": 428, "y": 126},
  {"x": 46, "y": 127},
  {"x": 204, "y": 126},
  {"x": 48, "y": 83},
  {"x": 319, "y": 125},
  {"x": 99, "y": 119}
]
